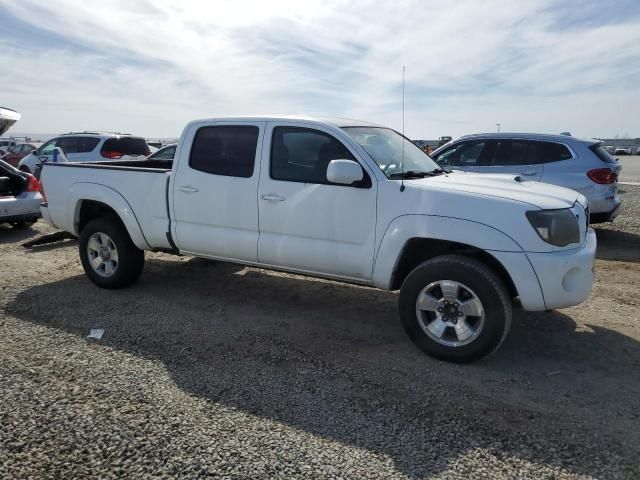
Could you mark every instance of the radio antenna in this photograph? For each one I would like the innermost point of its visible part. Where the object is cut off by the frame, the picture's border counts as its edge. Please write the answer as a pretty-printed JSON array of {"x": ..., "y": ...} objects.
[{"x": 403, "y": 137}]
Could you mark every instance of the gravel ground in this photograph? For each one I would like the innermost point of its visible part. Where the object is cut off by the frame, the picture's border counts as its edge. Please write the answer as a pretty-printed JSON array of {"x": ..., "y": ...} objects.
[{"x": 210, "y": 369}]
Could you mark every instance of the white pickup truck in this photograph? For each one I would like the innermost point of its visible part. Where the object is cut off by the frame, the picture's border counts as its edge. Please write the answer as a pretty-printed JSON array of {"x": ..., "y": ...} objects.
[{"x": 340, "y": 199}]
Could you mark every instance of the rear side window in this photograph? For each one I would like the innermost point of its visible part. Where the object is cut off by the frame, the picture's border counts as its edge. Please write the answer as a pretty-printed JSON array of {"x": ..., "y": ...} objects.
[
  {"x": 303, "y": 154},
  {"x": 77, "y": 144},
  {"x": 225, "y": 150},
  {"x": 602, "y": 153},
  {"x": 124, "y": 146},
  {"x": 554, "y": 152}
]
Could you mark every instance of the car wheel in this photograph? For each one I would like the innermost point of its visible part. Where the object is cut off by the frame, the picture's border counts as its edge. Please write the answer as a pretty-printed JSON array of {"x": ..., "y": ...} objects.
[
  {"x": 109, "y": 257},
  {"x": 455, "y": 308}
]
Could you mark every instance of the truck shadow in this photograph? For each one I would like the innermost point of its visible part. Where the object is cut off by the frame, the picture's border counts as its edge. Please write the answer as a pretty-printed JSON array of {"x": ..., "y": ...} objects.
[
  {"x": 9, "y": 234},
  {"x": 333, "y": 360}
]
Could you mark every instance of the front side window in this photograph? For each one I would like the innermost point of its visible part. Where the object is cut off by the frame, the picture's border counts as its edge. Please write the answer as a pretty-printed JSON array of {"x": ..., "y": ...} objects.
[
  {"x": 303, "y": 154},
  {"x": 166, "y": 153},
  {"x": 465, "y": 154},
  {"x": 47, "y": 148},
  {"x": 393, "y": 153},
  {"x": 225, "y": 150}
]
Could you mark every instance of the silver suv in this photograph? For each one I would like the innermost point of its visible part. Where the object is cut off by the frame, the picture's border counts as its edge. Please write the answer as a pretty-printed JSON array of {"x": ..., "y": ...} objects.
[
  {"x": 86, "y": 147},
  {"x": 582, "y": 165}
]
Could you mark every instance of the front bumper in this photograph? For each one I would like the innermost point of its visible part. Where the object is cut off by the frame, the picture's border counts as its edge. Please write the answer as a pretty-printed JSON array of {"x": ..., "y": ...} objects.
[{"x": 566, "y": 277}]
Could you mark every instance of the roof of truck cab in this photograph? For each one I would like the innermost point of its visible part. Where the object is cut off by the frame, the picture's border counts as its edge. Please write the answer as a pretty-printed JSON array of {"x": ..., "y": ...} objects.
[{"x": 336, "y": 121}]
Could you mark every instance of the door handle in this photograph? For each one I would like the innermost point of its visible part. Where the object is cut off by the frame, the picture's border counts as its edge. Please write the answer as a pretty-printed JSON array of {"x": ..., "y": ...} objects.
[
  {"x": 529, "y": 173},
  {"x": 188, "y": 189},
  {"x": 272, "y": 197}
]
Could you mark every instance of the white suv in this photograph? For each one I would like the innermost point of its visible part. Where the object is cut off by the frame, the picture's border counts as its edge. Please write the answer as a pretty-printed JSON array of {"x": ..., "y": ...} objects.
[
  {"x": 581, "y": 165},
  {"x": 86, "y": 147}
]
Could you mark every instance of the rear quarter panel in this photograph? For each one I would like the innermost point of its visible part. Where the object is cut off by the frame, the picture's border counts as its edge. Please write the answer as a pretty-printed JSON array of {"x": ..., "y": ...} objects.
[{"x": 138, "y": 197}]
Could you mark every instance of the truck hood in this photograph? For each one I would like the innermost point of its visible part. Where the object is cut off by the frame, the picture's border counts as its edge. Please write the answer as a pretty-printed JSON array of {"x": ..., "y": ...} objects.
[{"x": 541, "y": 195}]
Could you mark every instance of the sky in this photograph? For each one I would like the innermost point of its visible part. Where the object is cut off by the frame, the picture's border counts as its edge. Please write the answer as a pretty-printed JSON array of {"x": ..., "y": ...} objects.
[{"x": 150, "y": 66}]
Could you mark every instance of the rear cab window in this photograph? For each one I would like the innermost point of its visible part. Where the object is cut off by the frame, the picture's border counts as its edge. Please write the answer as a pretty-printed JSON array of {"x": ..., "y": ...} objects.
[{"x": 226, "y": 150}]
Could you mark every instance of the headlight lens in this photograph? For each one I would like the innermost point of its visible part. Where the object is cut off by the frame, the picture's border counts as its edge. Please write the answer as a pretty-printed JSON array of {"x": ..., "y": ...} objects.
[{"x": 557, "y": 227}]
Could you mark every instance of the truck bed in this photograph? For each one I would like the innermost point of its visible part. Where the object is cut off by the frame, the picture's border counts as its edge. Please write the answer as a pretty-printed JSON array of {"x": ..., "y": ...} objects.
[{"x": 142, "y": 184}]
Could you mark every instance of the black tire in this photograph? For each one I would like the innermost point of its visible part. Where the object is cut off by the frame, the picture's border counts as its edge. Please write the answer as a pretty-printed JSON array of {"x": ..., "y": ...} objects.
[
  {"x": 486, "y": 285},
  {"x": 130, "y": 258}
]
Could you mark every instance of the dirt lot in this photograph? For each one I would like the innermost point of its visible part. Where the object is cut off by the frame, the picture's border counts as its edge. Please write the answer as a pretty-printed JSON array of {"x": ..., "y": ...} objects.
[{"x": 209, "y": 369}]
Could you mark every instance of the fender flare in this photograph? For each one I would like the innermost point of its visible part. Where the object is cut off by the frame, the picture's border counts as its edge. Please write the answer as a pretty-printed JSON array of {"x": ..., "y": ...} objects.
[
  {"x": 403, "y": 228},
  {"x": 82, "y": 191}
]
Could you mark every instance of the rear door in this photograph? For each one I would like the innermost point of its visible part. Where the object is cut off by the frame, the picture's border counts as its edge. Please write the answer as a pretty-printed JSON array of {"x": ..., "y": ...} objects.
[
  {"x": 214, "y": 190},
  {"x": 513, "y": 156}
]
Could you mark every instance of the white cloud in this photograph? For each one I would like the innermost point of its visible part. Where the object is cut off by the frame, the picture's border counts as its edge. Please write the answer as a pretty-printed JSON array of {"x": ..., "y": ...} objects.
[{"x": 149, "y": 67}]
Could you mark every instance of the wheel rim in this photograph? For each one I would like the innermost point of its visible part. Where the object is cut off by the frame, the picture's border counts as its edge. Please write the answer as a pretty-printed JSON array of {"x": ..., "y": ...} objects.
[
  {"x": 103, "y": 254},
  {"x": 450, "y": 313}
]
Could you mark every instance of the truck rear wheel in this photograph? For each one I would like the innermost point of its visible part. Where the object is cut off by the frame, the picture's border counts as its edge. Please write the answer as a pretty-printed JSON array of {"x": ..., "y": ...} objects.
[
  {"x": 108, "y": 256},
  {"x": 455, "y": 308}
]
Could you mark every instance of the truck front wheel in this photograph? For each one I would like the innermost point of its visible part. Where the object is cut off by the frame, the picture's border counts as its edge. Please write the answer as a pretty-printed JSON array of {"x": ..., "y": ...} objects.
[
  {"x": 108, "y": 256},
  {"x": 455, "y": 308}
]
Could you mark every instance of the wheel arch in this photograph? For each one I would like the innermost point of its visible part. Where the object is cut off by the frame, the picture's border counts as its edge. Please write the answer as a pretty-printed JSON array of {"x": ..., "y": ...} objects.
[
  {"x": 89, "y": 201},
  {"x": 412, "y": 239},
  {"x": 418, "y": 250}
]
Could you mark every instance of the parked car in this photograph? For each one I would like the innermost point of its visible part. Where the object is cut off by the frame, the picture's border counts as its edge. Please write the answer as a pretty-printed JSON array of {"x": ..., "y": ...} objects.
[
  {"x": 622, "y": 151},
  {"x": 87, "y": 147},
  {"x": 164, "y": 153},
  {"x": 18, "y": 152},
  {"x": 340, "y": 199},
  {"x": 582, "y": 165},
  {"x": 5, "y": 145},
  {"x": 19, "y": 196}
]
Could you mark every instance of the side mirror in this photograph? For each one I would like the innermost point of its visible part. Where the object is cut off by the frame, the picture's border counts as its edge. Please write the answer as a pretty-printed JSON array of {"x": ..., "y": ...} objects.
[
  {"x": 344, "y": 172},
  {"x": 34, "y": 152}
]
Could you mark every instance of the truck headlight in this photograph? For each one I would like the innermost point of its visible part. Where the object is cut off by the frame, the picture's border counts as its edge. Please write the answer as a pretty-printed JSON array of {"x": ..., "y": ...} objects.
[{"x": 557, "y": 227}]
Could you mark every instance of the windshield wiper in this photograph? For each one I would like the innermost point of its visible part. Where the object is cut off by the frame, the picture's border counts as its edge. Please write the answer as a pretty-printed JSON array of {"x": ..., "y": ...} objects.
[
  {"x": 440, "y": 171},
  {"x": 416, "y": 174}
]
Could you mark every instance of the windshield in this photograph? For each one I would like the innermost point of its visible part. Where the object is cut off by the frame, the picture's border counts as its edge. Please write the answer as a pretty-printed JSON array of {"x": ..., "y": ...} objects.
[{"x": 385, "y": 146}]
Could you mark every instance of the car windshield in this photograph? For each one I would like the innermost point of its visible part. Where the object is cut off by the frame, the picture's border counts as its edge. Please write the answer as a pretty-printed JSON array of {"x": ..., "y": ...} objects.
[{"x": 396, "y": 155}]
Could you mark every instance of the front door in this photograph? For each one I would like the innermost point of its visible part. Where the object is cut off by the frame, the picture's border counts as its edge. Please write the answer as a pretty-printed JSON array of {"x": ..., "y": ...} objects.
[
  {"x": 215, "y": 188},
  {"x": 306, "y": 222}
]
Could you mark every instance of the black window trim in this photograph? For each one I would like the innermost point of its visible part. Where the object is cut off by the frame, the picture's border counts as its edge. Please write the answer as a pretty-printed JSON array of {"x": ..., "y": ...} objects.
[
  {"x": 364, "y": 183},
  {"x": 256, "y": 160},
  {"x": 574, "y": 154}
]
